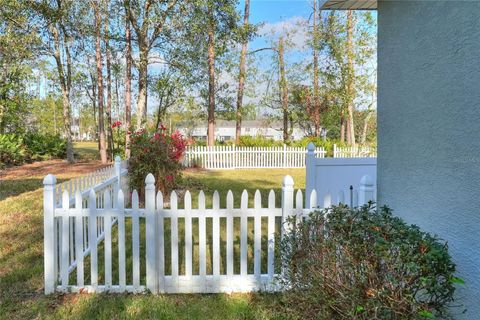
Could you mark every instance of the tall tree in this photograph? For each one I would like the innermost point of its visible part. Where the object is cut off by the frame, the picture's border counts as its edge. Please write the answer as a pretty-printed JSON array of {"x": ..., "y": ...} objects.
[
  {"x": 241, "y": 73},
  {"x": 316, "y": 102},
  {"x": 109, "y": 81},
  {"x": 99, "y": 62},
  {"x": 350, "y": 89},
  {"x": 16, "y": 54},
  {"x": 128, "y": 86},
  {"x": 148, "y": 19},
  {"x": 55, "y": 25},
  {"x": 211, "y": 75},
  {"x": 283, "y": 86},
  {"x": 201, "y": 45}
]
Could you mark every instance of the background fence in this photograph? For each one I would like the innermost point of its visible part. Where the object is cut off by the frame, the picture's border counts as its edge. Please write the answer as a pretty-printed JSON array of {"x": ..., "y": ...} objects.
[
  {"x": 175, "y": 249},
  {"x": 233, "y": 157},
  {"x": 354, "y": 152}
]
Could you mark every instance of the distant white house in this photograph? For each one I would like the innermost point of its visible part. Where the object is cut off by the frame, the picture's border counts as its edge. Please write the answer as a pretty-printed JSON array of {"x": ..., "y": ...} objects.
[{"x": 225, "y": 130}]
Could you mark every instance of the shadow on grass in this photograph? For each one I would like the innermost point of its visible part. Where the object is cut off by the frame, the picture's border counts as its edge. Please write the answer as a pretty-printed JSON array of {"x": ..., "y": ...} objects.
[{"x": 15, "y": 187}]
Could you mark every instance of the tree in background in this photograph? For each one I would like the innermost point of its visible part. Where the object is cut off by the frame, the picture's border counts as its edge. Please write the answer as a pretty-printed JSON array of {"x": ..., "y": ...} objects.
[
  {"x": 99, "y": 62},
  {"x": 149, "y": 19},
  {"x": 241, "y": 73},
  {"x": 16, "y": 56},
  {"x": 54, "y": 19},
  {"x": 201, "y": 46}
]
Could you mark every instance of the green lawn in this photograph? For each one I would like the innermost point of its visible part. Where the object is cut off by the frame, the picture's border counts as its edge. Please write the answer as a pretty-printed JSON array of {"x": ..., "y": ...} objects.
[{"x": 21, "y": 254}]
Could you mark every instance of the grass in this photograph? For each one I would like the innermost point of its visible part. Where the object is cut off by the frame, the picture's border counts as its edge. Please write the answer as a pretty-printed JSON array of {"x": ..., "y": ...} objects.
[{"x": 21, "y": 252}]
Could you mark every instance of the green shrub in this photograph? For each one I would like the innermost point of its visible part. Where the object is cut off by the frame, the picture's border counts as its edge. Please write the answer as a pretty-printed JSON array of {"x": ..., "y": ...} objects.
[
  {"x": 364, "y": 263},
  {"x": 12, "y": 150},
  {"x": 44, "y": 146},
  {"x": 259, "y": 141},
  {"x": 158, "y": 153}
]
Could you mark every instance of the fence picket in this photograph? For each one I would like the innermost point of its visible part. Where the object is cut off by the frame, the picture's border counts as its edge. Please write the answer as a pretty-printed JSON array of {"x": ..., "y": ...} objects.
[
  {"x": 79, "y": 238},
  {"x": 161, "y": 242},
  {"x": 108, "y": 239},
  {"x": 92, "y": 228},
  {"x": 121, "y": 241},
  {"x": 229, "y": 233},
  {"x": 216, "y": 236},
  {"x": 243, "y": 234},
  {"x": 257, "y": 246},
  {"x": 64, "y": 262},
  {"x": 174, "y": 236},
  {"x": 202, "y": 238},
  {"x": 135, "y": 241},
  {"x": 271, "y": 235},
  {"x": 188, "y": 235},
  {"x": 150, "y": 234}
]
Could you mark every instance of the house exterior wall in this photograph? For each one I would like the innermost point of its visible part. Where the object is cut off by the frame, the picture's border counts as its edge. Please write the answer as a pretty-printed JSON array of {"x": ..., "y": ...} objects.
[{"x": 429, "y": 126}]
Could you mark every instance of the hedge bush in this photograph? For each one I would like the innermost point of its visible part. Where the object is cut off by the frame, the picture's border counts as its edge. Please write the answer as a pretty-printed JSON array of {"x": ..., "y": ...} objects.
[
  {"x": 12, "y": 150},
  {"x": 45, "y": 146},
  {"x": 364, "y": 263},
  {"x": 157, "y": 153},
  {"x": 18, "y": 149}
]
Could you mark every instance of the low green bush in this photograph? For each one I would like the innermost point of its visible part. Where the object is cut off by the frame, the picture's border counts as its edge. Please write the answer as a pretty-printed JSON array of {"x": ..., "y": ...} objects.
[
  {"x": 45, "y": 146},
  {"x": 12, "y": 150},
  {"x": 364, "y": 263},
  {"x": 17, "y": 149},
  {"x": 259, "y": 141}
]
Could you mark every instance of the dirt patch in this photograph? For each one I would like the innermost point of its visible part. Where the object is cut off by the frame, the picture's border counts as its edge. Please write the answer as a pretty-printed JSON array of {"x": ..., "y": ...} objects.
[{"x": 56, "y": 167}]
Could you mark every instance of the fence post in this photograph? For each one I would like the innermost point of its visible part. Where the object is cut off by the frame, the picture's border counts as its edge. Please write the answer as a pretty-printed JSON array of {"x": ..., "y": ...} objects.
[
  {"x": 310, "y": 172},
  {"x": 287, "y": 201},
  {"x": 334, "y": 150},
  {"x": 150, "y": 225},
  {"x": 49, "y": 190},
  {"x": 118, "y": 173},
  {"x": 366, "y": 190},
  {"x": 284, "y": 155}
]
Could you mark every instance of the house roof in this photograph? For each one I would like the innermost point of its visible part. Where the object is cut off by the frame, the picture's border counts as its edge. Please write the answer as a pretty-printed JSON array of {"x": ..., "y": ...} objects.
[{"x": 349, "y": 5}]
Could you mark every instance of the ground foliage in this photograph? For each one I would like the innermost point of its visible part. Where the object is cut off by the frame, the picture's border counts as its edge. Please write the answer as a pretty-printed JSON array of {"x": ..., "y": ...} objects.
[{"x": 364, "y": 263}]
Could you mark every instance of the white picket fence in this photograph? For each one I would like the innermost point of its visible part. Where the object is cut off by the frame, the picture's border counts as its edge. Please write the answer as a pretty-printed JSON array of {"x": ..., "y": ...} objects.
[
  {"x": 354, "y": 152},
  {"x": 233, "y": 157},
  {"x": 149, "y": 230},
  {"x": 66, "y": 232}
]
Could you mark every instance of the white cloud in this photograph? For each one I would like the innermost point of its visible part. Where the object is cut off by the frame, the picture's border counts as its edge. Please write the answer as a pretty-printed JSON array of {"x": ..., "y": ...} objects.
[{"x": 295, "y": 28}]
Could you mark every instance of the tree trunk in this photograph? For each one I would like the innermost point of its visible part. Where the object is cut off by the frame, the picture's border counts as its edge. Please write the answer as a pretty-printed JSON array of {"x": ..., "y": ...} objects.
[
  {"x": 316, "y": 102},
  {"x": 211, "y": 81},
  {"x": 142, "y": 84},
  {"x": 241, "y": 77},
  {"x": 283, "y": 88},
  {"x": 128, "y": 87},
  {"x": 109, "y": 87},
  {"x": 350, "y": 79},
  {"x": 65, "y": 88},
  {"x": 342, "y": 126},
  {"x": 98, "y": 57},
  {"x": 365, "y": 127}
]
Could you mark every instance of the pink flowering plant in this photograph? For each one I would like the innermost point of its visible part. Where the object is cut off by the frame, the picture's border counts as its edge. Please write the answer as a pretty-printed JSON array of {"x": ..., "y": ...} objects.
[{"x": 158, "y": 153}]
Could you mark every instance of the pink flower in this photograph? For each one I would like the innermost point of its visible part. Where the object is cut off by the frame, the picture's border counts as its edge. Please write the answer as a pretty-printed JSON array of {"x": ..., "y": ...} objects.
[{"x": 169, "y": 178}]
